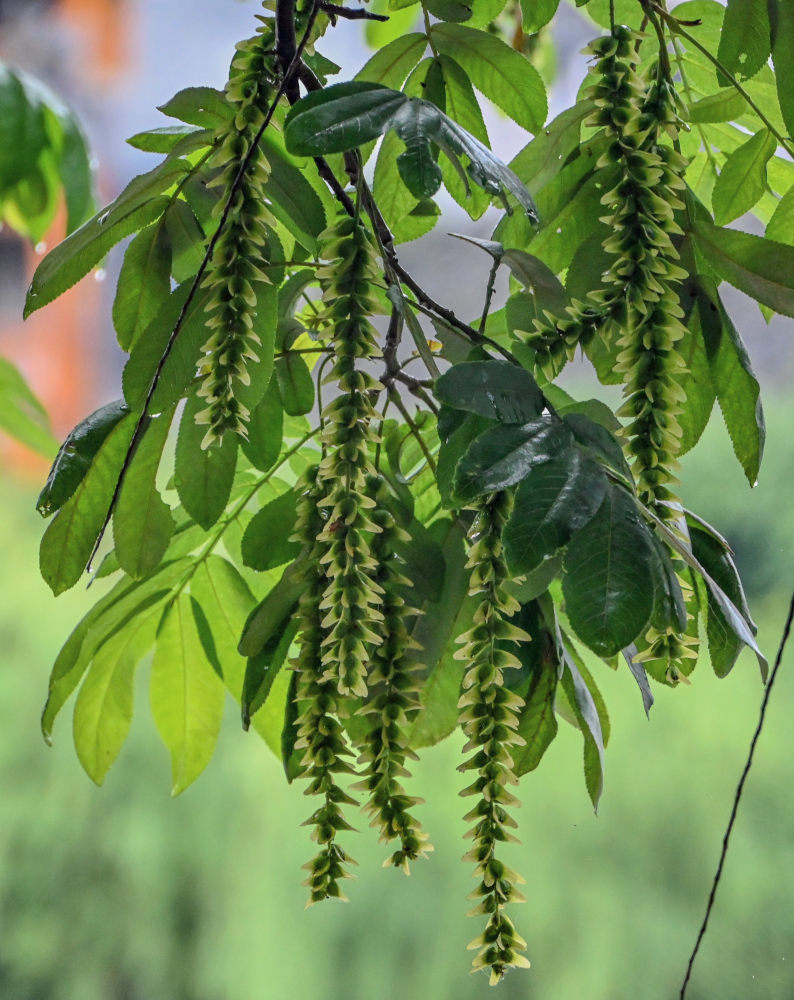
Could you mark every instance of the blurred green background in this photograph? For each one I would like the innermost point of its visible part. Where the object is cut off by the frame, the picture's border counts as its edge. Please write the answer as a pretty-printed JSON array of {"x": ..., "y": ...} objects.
[{"x": 122, "y": 893}]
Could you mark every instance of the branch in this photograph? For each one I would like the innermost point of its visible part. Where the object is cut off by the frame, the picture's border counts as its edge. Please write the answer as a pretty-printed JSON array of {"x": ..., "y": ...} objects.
[
  {"x": 333, "y": 10},
  {"x": 287, "y": 46},
  {"x": 194, "y": 288}
]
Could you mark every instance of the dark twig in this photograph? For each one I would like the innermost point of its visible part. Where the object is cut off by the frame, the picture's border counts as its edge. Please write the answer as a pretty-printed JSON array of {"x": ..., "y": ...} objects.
[
  {"x": 737, "y": 798},
  {"x": 287, "y": 46},
  {"x": 194, "y": 288},
  {"x": 333, "y": 10},
  {"x": 489, "y": 294}
]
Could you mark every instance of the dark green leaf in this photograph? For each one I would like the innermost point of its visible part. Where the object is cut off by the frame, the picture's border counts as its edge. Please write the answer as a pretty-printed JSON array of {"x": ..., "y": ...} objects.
[
  {"x": 498, "y": 390},
  {"x": 265, "y": 429},
  {"x": 295, "y": 384},
  {"x": 267, "y": 618},
  {"x": 552, "y": 503},
  {"x": 187, "y": 240},
  {"x": 290, "y": 757},
  {"x": 742, "y": 180},
  {"x": 144, "y": 283},
  {"x": 262, "y": 669},
  {"x": 762, "y": 269},
  {"x": 503, "y": 75},
  {"x": 340, "y": 117},
  {"x": 23, "y": 134},
  {"x": 68, "y": 541},
  {"x": 142, "y": 521},
  {"x": 75, "y": 171},
  {"x": 669, "y": 609},
  {"x": 608, "y": 583},
  {"x": 293, "y": 200},
  {"x": 503, "y": 456},
  {"x": 537, "y": 685},
  {"x": 267, "y": 539},
  {"x": 734, "y": 381},
  {"x": 577, "y": 683},
  {"x": 745, "y": 43},
  {"x": 203, "y": 476}
]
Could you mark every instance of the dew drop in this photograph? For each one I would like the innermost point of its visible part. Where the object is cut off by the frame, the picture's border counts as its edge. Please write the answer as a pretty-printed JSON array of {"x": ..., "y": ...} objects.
[
  {"x": 93, "y": 163},
  {"x": 41, "y": 247},
  {"x": 103, "y": 218},
  {"x": 559, "y": 230},
  {"x": 100, "y": 274}
]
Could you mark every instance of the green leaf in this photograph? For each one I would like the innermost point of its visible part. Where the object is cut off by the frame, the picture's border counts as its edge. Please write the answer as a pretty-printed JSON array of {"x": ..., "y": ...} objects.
[
  {"x": 21, "y": 414},
  {"x": 537, "y": 723},
  {"x": 68, "y": 541},
  {"x": 461, "y": 105},
  {"x": 265, "y": 430},
  {"x": 597, "y": 442},
  {"x": 267, "y": 540},
  {"x": 542, "y": 159},
  {"x": 142, "y": 521},
  {"x": 724, "y": 644},
  {"x": 503, "y": 456},
  {"x": 738, "y": 621},
  {"x": 533, "y": 273},
  {"x": 295, "y": 384},
  {"x": 498, "y": 390},
  {"x": 23, "y": 135},
  {"x": 290, "y": 756},
  {"x": 340, "y": 117},
  {"x": 136, "y": 207},
  {"x": 202, "y": 106},
  {"x": 435, "y": 630},
  {"x": 734, "y": 380},
  {"x": 391, "y": 64},
  {"x": 185, "y": 693},
  {"x": 225, "y": 601},
  {"x": 782, "y": 47},
  {"x": 262, "y": 670},
  {"x": 742, "y": 180},
  {"x": 452, "y": 450},
  {"x": 293, "y": 200},
  {"x": 179, "y": 369},
  {"x": 267, "y": 618},
  {"x": 74, "y": 167},
  {"x": 144, "y": 283},
  {"x": 124, "y": 603},
  {"x": 695, "y": 381},
  {"x": 538, "y": 14},
  {"x": 762, "y": 269},
  {"x": 503, "y": 75},
  {"x": 745, "y": 42},
  {"x": 203, "y": 476},
  {"x": 163, "y": 140},
  {"x": 574, "y": 681},
  {"x": 187, "y": 240},
  {"x": 781, "y": 225},
  {"x": 104, "y": 707},
  {"x": 552, "y": 503},
  {"x": 608, "y": 582},
  {"x": 724, "y": 106}
]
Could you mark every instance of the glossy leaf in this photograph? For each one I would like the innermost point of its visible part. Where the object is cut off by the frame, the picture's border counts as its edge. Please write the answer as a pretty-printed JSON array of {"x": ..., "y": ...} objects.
[
  {"x": 68, "y": 541},
  {"x": 185, "y": 693},
  {"x": 580, "y": 697},
  {"x": 537, "y": 723},
  {"x": 203, "y": 476},
  {"x": 142, "y": 521},
  {"x": 498, "y": 390},
  {"x": 295, "y": 384},
  {"x": 340, "y": 117},
  {"x": 503, "y": 456},
  {"x": 608, "y": 582},
  {"x": 553, "y": 502}
]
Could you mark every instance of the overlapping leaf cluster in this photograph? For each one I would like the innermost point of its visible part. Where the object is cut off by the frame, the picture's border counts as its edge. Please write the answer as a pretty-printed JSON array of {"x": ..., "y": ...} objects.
[{"x": 325, "y": 564}]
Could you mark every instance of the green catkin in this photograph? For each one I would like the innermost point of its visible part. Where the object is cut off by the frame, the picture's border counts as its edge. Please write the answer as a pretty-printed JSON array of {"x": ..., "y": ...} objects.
[
  {"x": 235, "y": 270},
  {"x": 351, "y": 601},
  {"x": 489, "y": 717},
  {"x": 319, "y": 732},
  {"x": 394, "y": 702}
]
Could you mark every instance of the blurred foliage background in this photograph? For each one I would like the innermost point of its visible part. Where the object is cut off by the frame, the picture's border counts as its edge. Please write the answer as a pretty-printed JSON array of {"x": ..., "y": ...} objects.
[{"x": 125, "y": 894}]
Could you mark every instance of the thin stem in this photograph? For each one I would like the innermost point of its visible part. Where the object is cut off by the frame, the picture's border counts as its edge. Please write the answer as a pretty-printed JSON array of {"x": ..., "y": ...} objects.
[
  {"x": 488, "y": 295},
  {"x": 395, "y": 398},
  {"x": 141, "y": 423}
]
